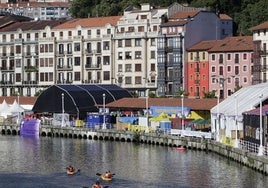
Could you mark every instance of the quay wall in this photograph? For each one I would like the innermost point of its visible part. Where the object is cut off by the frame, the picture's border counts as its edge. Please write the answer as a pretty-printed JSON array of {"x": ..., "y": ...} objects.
[{"x": 258, "y": 163}]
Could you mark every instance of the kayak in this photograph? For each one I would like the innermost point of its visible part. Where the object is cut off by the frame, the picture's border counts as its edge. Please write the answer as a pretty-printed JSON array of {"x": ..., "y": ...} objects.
[
  {"x": 105, "y": 178},
  {"x": 181, "y": 148},
  {"x": 70, "y": 172}
]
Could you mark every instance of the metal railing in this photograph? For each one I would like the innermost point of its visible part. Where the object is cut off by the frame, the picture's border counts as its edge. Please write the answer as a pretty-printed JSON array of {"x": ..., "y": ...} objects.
[{"x": 252, "y": 147}]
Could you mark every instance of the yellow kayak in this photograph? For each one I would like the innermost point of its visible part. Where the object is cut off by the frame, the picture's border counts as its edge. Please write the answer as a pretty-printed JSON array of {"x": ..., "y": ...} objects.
[
  {"x": 70, "y": 172},
  {"x": 105, "y": 178}
]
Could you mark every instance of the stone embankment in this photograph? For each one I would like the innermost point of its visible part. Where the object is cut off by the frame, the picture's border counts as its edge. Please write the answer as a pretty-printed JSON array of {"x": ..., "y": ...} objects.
[{"x": 258, "y": 163}]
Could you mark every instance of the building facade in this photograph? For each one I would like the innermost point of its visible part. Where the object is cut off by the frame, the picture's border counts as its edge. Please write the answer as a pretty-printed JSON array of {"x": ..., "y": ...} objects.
[
  {"x": 230, "y": 62},
  {"x": 260, "y": 39}
]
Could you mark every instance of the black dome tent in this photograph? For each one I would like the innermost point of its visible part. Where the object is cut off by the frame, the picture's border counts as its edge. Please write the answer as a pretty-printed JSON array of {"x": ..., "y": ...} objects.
[{"x": 77, "y": 98}]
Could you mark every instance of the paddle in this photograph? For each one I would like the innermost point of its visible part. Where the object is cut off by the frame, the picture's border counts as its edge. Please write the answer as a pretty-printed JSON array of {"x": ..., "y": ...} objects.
[
  {"x": 98, "y": 174},
  {"x": 106, "y": 186}
]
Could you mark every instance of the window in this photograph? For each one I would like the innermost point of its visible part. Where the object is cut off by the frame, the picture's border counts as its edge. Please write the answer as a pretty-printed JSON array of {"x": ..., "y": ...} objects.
[
  {"x": 89, "y": 32},
  {"x": 120, "y": 55},
  {"x": 128, "y": 80},
  {"x": 213, "y": 69},
  {"x": 138, "y": 67},
  {"x": 152, "y": 67},
  {"x": 244, "y": 56},
  {"x": 77, "y": 76},
  {"x": 98, "y": 32},
  {"x": 236, "y": 58},
  {"x": 152, "y": 42},
  {"x": 236, "y": 70},
  {"x": 106, "y": 60},
  {"x": 61, "y": 34},
  {"x": 77, "y": 61},
  {"x": 244, "y": 68},
  {"x": 140, "y": 28},
  {"x": 120, "y": 68},
  {"x": 79, "y": 32},
  {"x": 44, "y": 35},
  {"x": 221, "y": 70},
  {"x": 106, "y": 75},
  {"x": 229, "y": 68},
  {"x": 143, "y": 17},
  {"x": 76, "y": 47},
  {"x": 138, "y": 55},
  {"x": 203, "y": 55},
  {"x": 61, "y": 48},
  {"x": 137, "y": 80},
  {"x": 228, "y": 57},
  {"x": 108, "y": 31},
  {"x": 152, "y": 54},
  {"x": 137, "y": 42},
  {"x": 131, "y": 29},
  {"x": 18, "y": 77},
  {"x": 213, "y": 57},
  {"x": 106, "y": 45},
  {"x": 69, "y": 48},
  {"x": 120, "y": 43},
  {"x": 128, "y": 68},
  {"x": 128, "y": 43},
  {"x": 128, "y": 55},
  {"x": 221, "y": 59}
]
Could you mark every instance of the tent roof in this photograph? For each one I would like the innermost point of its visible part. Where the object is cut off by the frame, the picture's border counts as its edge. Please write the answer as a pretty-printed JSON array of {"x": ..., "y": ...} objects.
[
  {"x": 15, "y": 108},
  {"x": 77, "y": 98},
  {"x": 244, "y": 99}
]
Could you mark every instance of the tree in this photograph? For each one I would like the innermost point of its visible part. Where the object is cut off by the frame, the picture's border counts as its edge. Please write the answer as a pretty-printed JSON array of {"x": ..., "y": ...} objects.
[{"x": 210, "y": 94}]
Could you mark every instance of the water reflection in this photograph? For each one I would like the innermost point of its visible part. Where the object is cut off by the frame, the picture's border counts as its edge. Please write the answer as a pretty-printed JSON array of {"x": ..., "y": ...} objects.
[{"x": 32, "y": 162}]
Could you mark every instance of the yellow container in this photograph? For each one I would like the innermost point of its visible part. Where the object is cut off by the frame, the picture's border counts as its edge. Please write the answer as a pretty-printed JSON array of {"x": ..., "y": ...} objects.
[{"x": 79, "y": 123}]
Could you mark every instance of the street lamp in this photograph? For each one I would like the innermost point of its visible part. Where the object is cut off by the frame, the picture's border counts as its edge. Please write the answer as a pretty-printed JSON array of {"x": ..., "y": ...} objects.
[
  {"x": 182, "y": 112},
  {"x": 260, "y": 153},
  {"x": 217, "y": 127},
  {"x": 236, "y": 124},
  {"x": 104, "y": 119},
  {"x": 147, "y": 111},
  {"x": 62, "y": 105}
]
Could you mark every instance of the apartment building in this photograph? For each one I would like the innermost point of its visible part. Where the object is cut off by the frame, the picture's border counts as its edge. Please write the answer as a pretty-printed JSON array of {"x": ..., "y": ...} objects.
[
  {"x": 181, "y": 31},
  {"x": 230, "y": 63},
  {"x": 198, "y": 69},
  {"x": 135, "y": 63},
  {"x": 37, "y": 10},
  {"x": 20, "y": 50},
  {"x": 85, "y": 50},
  {"x": 260, "y": 39}
]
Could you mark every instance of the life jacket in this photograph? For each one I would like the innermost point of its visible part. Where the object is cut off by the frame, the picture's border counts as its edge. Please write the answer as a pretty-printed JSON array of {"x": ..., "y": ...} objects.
[{"x": 97, "y": 186}]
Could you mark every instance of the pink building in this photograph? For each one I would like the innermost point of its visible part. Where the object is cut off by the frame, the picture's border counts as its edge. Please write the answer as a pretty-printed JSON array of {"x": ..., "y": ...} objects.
[{"x": 230, "y": 62}]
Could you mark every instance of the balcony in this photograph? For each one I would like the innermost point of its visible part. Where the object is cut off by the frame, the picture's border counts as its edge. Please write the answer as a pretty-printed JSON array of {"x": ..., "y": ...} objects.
[
  {"x": 30, "y": 69},
  {"x": 197, "y": 82},
  {"x": 93, "y": 66},
  {"x": 64, "y": 67},
  {"x": 6, "y": 83},
  {"x": 7, "y": 69},
  {"x": 29, "y": 83}
]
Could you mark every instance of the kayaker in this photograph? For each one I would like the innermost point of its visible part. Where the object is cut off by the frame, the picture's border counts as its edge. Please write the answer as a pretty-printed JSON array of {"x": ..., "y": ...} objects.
[
  {"x": 97, "y": 185},
  {"x": 108, "y": 174},
  {"x": 71, "y": 168}
]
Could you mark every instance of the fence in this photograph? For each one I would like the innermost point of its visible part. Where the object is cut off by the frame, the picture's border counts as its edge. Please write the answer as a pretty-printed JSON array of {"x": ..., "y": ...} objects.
[{"x": 252, "y": 147}]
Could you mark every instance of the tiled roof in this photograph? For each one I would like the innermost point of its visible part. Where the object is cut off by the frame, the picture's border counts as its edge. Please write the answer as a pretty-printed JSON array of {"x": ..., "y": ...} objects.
[
  {"x": 140, "y": 103},
  {"x": 203, "y": 46},
  {"x": 10, "y": 19},
  {"x": 236, "y": 44},
  {"x": 89, "y": 22},
  {"x": 185, "y": 14},
  {"x": 175, "y": 23},
  {"x": 32, "y": 25},
  {"x": 22, "y": 100},
  {"x": 225, "y": 17},
  {"x": 260, "y": 26}
]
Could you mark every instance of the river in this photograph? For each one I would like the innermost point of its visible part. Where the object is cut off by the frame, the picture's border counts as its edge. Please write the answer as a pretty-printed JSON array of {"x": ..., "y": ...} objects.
[{"x": 41, "y": 162}]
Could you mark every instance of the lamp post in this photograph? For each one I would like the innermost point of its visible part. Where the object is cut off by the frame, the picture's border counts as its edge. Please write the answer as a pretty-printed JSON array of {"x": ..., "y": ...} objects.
[
  {"x": 104, "y": 119},
  {"x": 62, "y": 105},
  {"x": 260, "y": 153},
  {"x": 236, "y": 124},
  {"x": 217, "y": 127},
  {"x": 182, "y": 112},
  {"x": 147, "y": 111}
]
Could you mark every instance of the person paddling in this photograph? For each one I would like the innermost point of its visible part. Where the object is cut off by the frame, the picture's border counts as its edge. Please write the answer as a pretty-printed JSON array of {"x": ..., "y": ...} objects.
[
  {"x": 108, "y": 174},
  {"x": 97, "y": 185}
]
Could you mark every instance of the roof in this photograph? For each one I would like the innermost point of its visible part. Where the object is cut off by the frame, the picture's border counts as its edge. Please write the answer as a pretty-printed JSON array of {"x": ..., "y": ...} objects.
[
  {"x": 89, "y": 22},
  {"x": 173, "y": 23},
  {"x": 256, "y": 111},
  {"x": 22, "y": 100},
  {"x": 246, "y": 98},
  {"x": 185, "y": 14},
  {"x": 77, "y": 98},
  {"x": 140, "y": 103},
  {"x": 225, "y": 17},
  {"x": 263, "y": 25},
  {"x": 203, "y": 46},
  {"x": 35, "y": 4},
  {"x": 237, "y": 44},
  {"x": 32, "y": 25}
]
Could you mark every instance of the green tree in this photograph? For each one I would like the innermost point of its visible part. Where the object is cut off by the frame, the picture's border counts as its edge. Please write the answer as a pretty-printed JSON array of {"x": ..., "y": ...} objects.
[{"x": 211, "y": 94}]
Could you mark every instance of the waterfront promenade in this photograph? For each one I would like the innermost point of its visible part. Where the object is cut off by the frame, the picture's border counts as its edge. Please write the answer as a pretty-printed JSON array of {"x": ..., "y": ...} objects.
[{"x": 243, "y": 156}]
